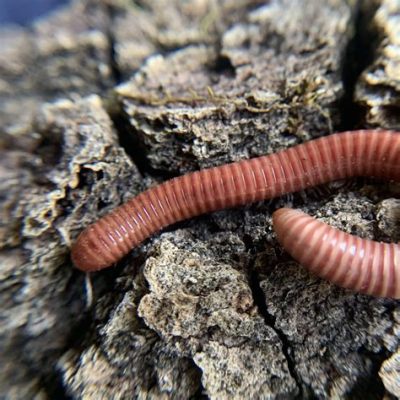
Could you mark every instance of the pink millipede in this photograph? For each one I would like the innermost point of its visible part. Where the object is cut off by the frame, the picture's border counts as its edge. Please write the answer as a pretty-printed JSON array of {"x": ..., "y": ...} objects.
[
  {"x": 341, "y": 155},
  {"x": 346, "y": 260}
]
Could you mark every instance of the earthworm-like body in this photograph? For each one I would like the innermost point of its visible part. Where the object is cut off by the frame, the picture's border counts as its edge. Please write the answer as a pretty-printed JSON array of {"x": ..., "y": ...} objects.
[
  {"x": 338, "y": 156},
  {"x": 346, "y": 260}
]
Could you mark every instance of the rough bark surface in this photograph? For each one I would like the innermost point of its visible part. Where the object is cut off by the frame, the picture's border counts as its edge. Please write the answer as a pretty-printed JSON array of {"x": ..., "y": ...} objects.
[{"x": 105, "y": 98}]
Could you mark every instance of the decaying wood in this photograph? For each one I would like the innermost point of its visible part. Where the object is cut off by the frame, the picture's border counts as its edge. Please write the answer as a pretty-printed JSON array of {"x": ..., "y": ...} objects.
[{"x": 103, "y": 99}]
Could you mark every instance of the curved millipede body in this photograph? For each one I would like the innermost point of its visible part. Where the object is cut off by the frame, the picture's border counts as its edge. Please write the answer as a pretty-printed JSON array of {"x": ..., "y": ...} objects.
[
  {"x": 338, "y": 156},
  {"x": 346, "y": 260}
]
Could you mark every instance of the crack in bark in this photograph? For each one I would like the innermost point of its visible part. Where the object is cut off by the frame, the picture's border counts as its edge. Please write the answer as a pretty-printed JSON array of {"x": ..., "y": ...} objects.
[
  {"x": 54, "y": 386},
  {"x": 129, "y": 140},
  {"x": 359, "y": 54},
  {"x": 371, "y": 386},
  {"x": 270, "y": 320},
  {"x": 115, "y": 70}
]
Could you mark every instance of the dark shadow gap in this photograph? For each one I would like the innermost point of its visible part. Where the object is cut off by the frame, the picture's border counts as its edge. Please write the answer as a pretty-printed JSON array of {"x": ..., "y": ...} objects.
[
  {"x": 129, "y": 140},
  {"x": 370, "y": 387},
  {"x": 115, "y": 70},
  {"x": 359, "y": 54}
]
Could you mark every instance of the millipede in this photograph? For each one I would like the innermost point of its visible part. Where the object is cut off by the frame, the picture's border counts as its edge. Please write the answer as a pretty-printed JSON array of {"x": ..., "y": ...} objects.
[
  {"x": 362, "y": 265},
  {"x": 349, "y": 261}
]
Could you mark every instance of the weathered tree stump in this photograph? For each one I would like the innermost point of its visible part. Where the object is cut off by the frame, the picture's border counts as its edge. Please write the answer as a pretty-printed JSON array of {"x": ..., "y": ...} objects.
[{"x": 103, "y": 99}]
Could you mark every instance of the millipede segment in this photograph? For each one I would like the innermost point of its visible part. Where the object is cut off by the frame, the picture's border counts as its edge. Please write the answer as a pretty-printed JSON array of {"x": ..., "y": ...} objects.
[
  {"x": 338, "y": 156},
  {"x": 359, "y": 264}
]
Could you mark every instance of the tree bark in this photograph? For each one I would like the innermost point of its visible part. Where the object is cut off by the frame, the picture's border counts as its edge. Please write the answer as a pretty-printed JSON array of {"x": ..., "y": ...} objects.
[{"x": 103, "y": 99}]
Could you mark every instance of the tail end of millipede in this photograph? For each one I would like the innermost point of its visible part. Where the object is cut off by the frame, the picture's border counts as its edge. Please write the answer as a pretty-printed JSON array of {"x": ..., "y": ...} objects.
[{"x": 82, "y": 254}]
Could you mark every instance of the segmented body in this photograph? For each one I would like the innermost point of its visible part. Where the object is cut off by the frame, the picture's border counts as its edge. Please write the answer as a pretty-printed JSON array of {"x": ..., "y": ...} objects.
[
  {"x": 359, "y": 264},
  {"x": 338, "y": 156}
]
